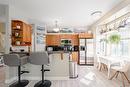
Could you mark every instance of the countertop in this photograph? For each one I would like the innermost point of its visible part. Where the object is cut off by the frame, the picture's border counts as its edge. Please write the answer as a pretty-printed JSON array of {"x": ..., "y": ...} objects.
[{"x": 54, "y": 52}]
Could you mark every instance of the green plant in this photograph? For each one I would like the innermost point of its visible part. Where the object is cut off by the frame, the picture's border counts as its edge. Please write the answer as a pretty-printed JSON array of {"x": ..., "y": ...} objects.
[{"x": 114, "y": 39}]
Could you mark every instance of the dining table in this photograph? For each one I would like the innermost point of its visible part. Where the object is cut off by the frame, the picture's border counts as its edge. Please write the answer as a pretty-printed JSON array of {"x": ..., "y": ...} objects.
[{"x": 110, "y": 61}]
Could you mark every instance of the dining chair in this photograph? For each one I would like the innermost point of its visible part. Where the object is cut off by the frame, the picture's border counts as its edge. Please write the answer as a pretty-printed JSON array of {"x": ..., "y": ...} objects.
[
  {"x": 121, "y": 69},
  {"x": 101, "y": 65}
]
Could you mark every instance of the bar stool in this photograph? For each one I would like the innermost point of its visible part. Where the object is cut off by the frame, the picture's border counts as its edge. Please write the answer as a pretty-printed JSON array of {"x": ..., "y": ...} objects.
[
  {"x": 40, "y": 58},
  {"x": 14, "y": 60}
]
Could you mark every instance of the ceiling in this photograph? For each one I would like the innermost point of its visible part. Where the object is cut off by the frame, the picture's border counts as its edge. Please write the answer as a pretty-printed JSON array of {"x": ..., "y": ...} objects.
[{"x": 67, "y": 12}]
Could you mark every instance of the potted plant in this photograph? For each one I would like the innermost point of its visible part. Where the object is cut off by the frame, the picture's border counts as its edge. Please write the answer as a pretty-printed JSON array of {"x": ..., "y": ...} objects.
[{"x": 114, "y": 39}]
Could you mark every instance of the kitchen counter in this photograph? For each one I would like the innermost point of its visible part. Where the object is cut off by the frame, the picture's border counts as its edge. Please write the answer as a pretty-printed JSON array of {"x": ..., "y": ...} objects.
[
  {"x": 53, "y": 52},
  {"x": 59, "y": 68},
  {"x": 60, "y": 52}
]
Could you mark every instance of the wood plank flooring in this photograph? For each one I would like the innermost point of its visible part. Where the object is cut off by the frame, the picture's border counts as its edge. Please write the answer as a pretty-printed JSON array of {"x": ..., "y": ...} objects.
[{"x": 88, "y": 77}]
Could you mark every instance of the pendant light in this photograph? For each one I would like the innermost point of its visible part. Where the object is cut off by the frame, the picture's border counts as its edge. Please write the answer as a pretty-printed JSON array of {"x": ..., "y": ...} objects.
[{"x": 56, "y": 29}]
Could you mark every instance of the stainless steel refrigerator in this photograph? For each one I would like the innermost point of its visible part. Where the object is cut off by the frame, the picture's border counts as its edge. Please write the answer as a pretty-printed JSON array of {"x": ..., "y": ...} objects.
[{"x": 86, "y": 52}]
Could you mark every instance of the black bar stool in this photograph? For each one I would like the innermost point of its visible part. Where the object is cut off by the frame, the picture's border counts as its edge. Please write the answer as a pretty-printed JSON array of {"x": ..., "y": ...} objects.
[
  {"x": 14, "y": 60},
  {"x": 40, "y": 58}
]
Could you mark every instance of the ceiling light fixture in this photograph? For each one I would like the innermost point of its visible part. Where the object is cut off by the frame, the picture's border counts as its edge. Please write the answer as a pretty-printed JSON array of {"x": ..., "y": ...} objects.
[
  {"x": 96, "y": 15},
  {"x": 56, "y": 29}
]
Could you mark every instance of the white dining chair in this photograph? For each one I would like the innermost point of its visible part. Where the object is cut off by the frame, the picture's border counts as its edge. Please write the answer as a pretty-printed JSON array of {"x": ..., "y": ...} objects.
[
  {"x": 121, "y": 68},
  {"x": 101, "y": 65}
]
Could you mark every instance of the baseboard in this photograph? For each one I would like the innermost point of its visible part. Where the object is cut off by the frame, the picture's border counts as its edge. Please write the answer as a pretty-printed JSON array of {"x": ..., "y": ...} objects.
[
  {"x": 8, "y": 81},
  {"x": 58, "y": 78},
  {"x": 49, "y": 78}
]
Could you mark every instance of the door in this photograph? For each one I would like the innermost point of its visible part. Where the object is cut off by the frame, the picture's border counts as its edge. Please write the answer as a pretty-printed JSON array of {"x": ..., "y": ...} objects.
[{"x": 86, "y": 52}]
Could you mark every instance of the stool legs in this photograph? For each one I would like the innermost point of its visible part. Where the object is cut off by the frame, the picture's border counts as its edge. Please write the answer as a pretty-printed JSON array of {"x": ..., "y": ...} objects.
[
  {"x": 43, "y": 83},
  {"x": 19, "y": 83}
]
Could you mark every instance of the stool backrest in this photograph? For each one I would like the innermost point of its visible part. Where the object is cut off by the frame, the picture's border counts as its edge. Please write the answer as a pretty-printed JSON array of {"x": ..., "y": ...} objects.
[
  {"x": 39, "y": 58},
  {"x": 11, "y": 59}
]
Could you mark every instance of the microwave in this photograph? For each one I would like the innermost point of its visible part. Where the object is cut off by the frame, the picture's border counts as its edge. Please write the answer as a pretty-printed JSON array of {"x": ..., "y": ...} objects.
[{"x": 65, "y": 42}]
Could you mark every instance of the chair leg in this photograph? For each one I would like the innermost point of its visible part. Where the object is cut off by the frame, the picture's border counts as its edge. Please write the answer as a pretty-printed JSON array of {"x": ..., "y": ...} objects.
[
  {"x": 19, "y": 83},
  {"x": 105, "y": 67},
  {"x": 43, "y": 83},
  {"x": 19, "y": 73},
  {"x": 126, "y": 77},
  {"x": 100, "y": 68},
  {"x": 113, "y": 76},
  {"x": 42, "y": 73},
  {"x": 97, "y": 66},
  {"x": 122, "y": 79},
  {"x": 117, "y": 74}
]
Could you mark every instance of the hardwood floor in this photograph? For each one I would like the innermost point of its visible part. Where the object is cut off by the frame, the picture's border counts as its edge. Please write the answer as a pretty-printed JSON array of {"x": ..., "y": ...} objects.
[{"x": 88, "y": 77}]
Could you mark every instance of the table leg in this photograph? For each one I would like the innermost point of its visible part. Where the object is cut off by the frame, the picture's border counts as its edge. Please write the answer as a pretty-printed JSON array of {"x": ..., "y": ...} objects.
[
  {"x": 99, "y": 66},
  {"x": 109, "y": 71}
]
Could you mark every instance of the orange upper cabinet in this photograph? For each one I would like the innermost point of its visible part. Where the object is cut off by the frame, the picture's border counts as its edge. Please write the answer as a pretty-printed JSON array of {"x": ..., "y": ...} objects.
[
  {"x": 27, "y": 33},
  {"x": 73, "y": 37},
  {"x": 21, "y": 33},
  {"x": 52, "y": 40},
  {"x": 85, "y": 35},
  {"x": 75, "y": 40},
  {"x": 66, "y": 36},
  {"x": 55, "y": 39}
]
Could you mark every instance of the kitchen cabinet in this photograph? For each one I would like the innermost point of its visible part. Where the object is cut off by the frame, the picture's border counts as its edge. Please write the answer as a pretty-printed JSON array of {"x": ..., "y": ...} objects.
[
  {"x": 75, "y": 57},
  {"x": 85, "y": 36},
  {"x": 66, "y": 36},
  {"x": 27, "y": 33},
  {"x": 75, "y": 40},
  {"x": 21, "y": 33},
  {"x": 53, "y": 40}
]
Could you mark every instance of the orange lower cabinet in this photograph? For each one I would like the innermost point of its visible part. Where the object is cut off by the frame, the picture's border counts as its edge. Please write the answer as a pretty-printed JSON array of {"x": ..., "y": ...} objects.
[
  {"x": 62, "y": 56},
  {"x": 75, "y": 56}
]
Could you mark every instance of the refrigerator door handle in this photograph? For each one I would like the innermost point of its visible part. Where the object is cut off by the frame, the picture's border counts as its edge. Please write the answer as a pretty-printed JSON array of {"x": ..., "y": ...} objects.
[{"x": 85, "y": 48}]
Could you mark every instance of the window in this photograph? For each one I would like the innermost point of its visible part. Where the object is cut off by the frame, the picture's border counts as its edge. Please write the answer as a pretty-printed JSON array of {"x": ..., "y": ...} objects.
[{"x": 122, "y": 49}]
